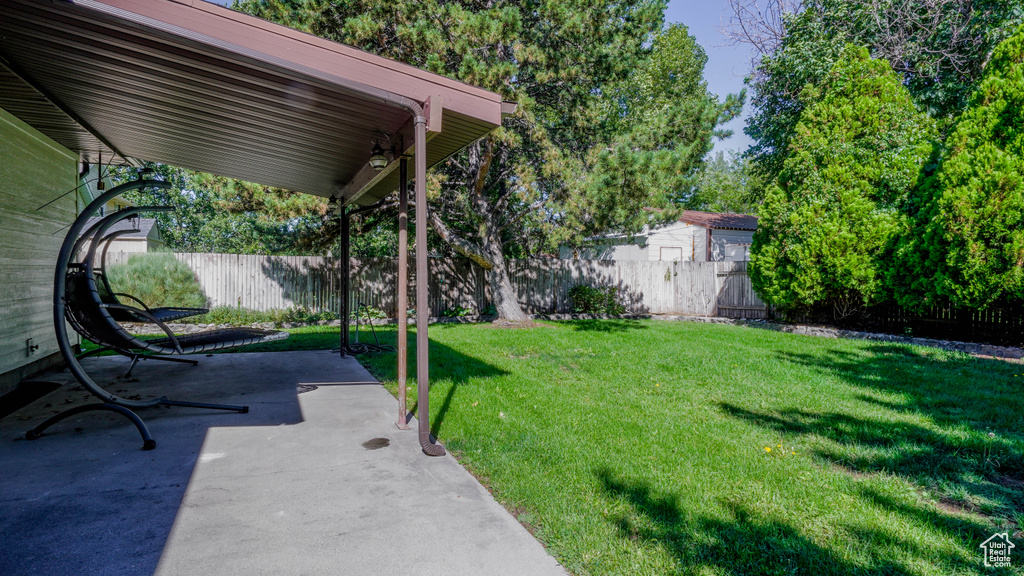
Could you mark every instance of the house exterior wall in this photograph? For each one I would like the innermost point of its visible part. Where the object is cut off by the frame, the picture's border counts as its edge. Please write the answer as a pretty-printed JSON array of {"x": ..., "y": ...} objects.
[
  {"x": 700, "y": 245},
  {"x": 135, "y": 245},
  {"x": 33, "y": 170},
  {"x": 675, "y": 242}
]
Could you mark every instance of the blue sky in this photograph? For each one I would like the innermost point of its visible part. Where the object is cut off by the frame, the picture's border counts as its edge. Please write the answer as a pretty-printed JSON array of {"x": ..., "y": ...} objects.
[{"x": 727, "y": 65}]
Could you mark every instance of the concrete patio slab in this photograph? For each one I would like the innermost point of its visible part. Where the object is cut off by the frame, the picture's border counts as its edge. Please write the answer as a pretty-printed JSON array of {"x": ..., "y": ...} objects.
[{"x": 316, "y": 479}]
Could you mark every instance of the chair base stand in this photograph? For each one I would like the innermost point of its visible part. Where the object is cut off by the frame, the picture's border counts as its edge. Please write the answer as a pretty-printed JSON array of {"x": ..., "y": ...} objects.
[
  {"x": 148, "y": 443},
  {"x": 147, "y": 439},
  {"x": 135, "y": 357}
]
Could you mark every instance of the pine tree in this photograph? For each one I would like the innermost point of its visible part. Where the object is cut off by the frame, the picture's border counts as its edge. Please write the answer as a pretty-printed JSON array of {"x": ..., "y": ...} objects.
[
  {"x": 967, "y": 239},
  {"x": 826, "y": 225}
]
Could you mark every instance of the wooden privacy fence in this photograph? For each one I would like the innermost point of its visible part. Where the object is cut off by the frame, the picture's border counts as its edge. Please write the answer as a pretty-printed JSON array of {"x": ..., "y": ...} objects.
[{"x": 275, "y": 282}]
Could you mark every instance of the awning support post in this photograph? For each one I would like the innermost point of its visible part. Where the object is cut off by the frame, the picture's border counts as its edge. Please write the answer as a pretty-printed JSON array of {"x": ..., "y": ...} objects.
[
  {"x": 422, "y": 296},
  {"x": 403, "y": 291},
  {"x": 343, "y": 312}
]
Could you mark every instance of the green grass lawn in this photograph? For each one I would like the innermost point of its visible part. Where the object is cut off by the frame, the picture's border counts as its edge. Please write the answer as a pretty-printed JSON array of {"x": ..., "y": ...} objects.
[{"x": 681, "y": 448}]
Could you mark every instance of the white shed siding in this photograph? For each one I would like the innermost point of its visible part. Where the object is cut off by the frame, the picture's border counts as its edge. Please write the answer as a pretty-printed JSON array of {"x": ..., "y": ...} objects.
[
  {"x": 700, "y": 244},
  {"x": 678, "y": 235},
  {"x": 33, "y": 171},
  {"x": 624, "y": 249},
  {"x": 133, "y": 245}
]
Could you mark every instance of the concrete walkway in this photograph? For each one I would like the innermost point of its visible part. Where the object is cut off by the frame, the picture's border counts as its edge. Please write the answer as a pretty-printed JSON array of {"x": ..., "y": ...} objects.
[{"x": 316, "y": 479}]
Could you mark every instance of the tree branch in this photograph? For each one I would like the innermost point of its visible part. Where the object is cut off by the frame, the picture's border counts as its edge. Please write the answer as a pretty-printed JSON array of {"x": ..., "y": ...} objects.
[{"x": 470, "y": 250}]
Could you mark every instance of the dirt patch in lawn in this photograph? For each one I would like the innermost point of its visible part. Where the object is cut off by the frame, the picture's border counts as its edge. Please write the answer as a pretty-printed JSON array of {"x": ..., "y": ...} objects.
[{"x": 511, "y": 325}]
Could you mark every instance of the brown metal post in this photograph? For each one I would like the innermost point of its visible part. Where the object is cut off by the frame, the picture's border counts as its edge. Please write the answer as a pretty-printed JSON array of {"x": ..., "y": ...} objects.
[
  {"x": 403, "y": 290},
  {"x": 422, "y": 298},
  {"x": 345, "y": 311}
]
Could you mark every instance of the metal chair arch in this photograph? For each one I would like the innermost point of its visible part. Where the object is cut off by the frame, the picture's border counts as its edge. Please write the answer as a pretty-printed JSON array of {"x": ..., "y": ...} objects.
[{"x": 76, "y": 299}]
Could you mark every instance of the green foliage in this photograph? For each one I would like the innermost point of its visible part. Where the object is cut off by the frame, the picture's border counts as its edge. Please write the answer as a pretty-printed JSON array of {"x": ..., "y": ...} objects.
[
  {"x": 245, "y": 317},
  {"x": 826, "y": 225},
  {"x": 596, "y": 300},
  {"x": 158, "y": 279},
  {"x": 662, "y": 120},
  {"x": 805, "y": 57},
  {"x": 456, "y": 312},
  {"x": 939, "y": 49},
  {"x": 967, "y": 241},
  {"x": 727, "y": 184},
  {"x": 371, "y": 312},
  {"x": 215, "y": 214}
]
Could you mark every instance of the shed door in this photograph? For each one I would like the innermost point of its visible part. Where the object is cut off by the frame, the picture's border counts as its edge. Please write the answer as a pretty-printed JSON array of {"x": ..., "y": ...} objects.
[{"x": 671, "y": 253}]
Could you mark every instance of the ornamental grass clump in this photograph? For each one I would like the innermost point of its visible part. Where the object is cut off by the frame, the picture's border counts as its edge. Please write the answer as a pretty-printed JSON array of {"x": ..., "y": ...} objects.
[{"x": 158, "y": 279}]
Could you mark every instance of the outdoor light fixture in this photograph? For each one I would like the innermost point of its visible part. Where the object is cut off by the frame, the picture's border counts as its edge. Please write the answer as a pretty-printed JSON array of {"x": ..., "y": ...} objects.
[{"x": 377, "y": 158}]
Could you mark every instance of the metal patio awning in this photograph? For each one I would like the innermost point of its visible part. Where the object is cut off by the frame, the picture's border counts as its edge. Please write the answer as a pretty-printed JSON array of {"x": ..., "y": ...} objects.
[{"x": 197, "y": 85}]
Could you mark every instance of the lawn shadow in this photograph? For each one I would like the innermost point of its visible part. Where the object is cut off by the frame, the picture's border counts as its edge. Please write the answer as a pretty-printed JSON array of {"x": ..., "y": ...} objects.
[
  {"x": 949, "y": 424},
  {"x": 743, "y": 542},
  {"x": 610, "y": 325},
  {"x": 450, "y": 370}
]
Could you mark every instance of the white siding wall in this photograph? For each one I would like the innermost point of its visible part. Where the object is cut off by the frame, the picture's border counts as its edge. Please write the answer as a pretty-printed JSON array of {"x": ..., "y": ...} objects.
[
  {"x": 673, "y": 236},
  {"x": 700, "y": 244},
  {"x": 33, "y": 171},
  {"x": 622, "y": 250},
  {"x": 130, "y": 245},
  {"x": 682, "y": 242}
]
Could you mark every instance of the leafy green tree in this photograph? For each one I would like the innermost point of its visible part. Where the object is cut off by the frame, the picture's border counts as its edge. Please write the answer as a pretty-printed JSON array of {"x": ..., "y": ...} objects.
[
  {"x": 826, "y": 226},
  {"x": 214, "y": 214},
  {"x": 938, "y": 47},
  {"x": 663, "y": 121},
  {"x": 967, "y": 241},
  {"x": 726, "y": 184},
  {"x": 565, "y": 164}
]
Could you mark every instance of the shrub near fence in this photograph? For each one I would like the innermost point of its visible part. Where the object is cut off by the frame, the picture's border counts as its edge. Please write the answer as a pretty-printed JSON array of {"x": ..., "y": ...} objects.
[{"x": 278, "y": 282}]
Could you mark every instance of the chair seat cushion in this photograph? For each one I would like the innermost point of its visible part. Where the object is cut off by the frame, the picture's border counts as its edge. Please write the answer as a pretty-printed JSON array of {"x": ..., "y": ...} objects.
[{"x": 220, "y": 339}]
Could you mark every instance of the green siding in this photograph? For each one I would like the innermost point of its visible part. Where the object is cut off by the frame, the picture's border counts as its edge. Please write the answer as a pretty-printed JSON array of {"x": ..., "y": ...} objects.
[{"x": 33, "y": 171}]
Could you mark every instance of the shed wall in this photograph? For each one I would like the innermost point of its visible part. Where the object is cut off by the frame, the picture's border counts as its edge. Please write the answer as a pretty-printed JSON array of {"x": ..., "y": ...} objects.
[
  {"x": 662, "y": 243},
  {"x": 33, "y": 170},
  {"x": 619, "y": 249}
]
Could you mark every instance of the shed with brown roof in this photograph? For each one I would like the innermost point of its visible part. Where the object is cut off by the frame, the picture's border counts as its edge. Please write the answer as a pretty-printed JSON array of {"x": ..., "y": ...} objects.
[{"x": 696, "y": 237}]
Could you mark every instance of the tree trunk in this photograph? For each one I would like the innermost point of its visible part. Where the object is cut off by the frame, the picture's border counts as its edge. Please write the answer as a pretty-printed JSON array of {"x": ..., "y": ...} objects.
[
  {"x": 503, "y": 294},
  {"x": 486, "y": 251}
]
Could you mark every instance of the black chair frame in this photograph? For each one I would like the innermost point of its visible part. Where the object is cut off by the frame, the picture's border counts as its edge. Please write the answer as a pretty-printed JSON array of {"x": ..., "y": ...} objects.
[
  {"x": 76, "y": 301},
  {"x": 109, "y": 296}
]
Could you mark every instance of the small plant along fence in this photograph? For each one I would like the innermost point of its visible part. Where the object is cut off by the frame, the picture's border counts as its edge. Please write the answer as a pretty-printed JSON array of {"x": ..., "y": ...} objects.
[{"x": 543, "y": 285}]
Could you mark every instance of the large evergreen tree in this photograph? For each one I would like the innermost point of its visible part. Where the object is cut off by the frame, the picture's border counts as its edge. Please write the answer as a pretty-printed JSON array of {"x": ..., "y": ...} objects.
[
  {"x": 938, "y": 47},
  {"x": 612, "y": 116},
  {"x": 967, "y": 242},
  {"x": 826, "y": 225}
]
